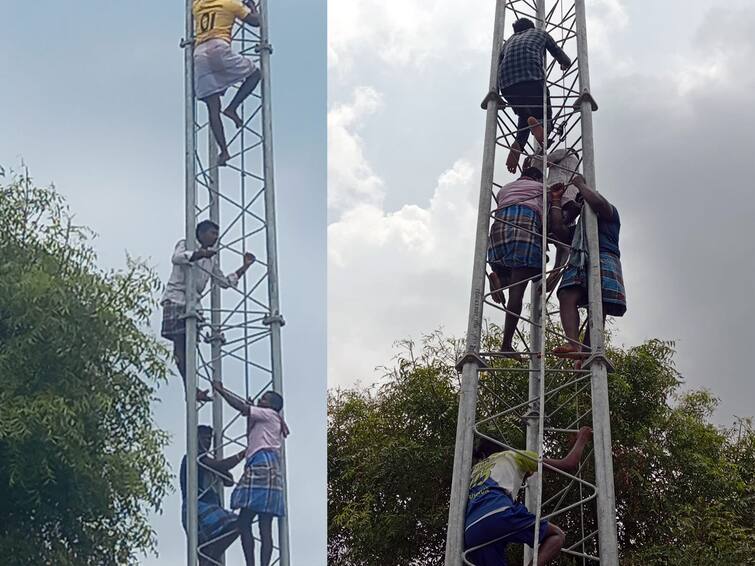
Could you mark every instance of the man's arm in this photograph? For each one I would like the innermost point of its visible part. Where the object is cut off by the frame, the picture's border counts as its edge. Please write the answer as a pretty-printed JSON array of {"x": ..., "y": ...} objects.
[
  {"x": 597, "y": 202},
  {"x": 253, "y": 17},
  {"x": 225, "y": 281},
  {"x": 233, "y": 400},
  {"x": 570, "y": 463},
  {"x": 183, "y": 257},
  {"x": 558, "y": 53}
]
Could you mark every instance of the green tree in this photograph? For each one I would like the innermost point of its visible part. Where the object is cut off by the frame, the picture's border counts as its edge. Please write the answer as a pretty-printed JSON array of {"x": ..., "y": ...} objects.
[
  {"x": 684, "y": 486},
  {"x": 81, "y": 461}
]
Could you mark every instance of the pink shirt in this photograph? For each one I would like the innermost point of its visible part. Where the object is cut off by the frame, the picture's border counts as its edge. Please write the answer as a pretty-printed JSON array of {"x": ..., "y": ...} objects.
[
  {"x": 265, "y": 430},
  {"x": 522, "y": 191}
]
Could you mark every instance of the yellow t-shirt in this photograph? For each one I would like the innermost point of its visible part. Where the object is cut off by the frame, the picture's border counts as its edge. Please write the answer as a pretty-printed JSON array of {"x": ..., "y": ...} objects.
[{"x": 214, "y": 19}]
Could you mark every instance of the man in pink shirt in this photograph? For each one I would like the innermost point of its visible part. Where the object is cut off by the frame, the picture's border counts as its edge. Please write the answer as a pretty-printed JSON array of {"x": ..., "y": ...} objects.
[
  {"x": 260, "y": 490},
  {"x": 515, "y": 252}
]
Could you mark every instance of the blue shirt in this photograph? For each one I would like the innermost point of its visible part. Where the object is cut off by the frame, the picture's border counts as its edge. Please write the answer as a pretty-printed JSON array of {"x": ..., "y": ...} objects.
[
  {"x": 206, "y": 491},
  {"x": 608, "y": 233}
]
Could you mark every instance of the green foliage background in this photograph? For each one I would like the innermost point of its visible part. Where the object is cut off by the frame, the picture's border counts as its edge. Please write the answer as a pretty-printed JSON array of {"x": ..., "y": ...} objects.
[
  {"x": 684, "y": 486},
  {"x": 81, "y": 460}
]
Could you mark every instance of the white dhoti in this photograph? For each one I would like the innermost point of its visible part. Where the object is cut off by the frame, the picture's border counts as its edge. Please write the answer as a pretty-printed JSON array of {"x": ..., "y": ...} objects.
[{"x": 217, "y": 67}]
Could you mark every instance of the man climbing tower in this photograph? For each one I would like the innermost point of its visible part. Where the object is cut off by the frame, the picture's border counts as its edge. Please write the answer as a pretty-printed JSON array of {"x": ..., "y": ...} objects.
[
  {"x": 572, "y": 293},
  {"x": 521, "y": 80},
  {"x": 207, "y": 265},
  {"x": 217, "y": 67},
  {"x": 494, "y": 518},
  {"x": 515, "y": 253},
  {"x": 260, "y": 490},
  {"x": 217, "y": 526}
]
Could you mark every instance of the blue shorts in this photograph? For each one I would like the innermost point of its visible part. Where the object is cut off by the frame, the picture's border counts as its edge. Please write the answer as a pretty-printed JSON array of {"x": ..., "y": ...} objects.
[{"x": 512, "y": 523}]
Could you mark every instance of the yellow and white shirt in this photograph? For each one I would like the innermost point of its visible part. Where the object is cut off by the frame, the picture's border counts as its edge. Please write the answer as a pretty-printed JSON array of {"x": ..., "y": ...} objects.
[{"x": 214, "y": 19}]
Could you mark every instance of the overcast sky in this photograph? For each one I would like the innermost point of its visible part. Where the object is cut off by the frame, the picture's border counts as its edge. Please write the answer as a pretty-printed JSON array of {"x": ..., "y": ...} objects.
[
  {"x": 674, "y": 138},
  {"x": 92, "y": 99}
]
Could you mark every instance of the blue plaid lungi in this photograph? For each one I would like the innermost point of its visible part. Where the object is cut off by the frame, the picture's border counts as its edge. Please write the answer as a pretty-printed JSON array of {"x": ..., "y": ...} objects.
[
  {"x": 174, "y": 323},
  {"x": 612, "y": 283},
  {"x": 213, "y": 521},
  {"x": 514, "y": 238},
  {"x": 261, "y": 487}
]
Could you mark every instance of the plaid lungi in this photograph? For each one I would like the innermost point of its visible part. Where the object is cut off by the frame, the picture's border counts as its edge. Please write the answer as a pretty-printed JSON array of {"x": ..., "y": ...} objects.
[
  {"x": 612, "y": 283},
  {"x": 261, "y": 487},
  {"x": 514, "y": 239},
  {"x": 213, "y": 521},
  {"x": 174, "y": 323}
]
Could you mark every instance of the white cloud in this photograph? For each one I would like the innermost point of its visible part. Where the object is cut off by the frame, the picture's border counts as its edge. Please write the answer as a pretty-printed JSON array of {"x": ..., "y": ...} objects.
[
  {"x": 406, "y": 32},
  {"x": 351, "y": 181},
  {"x": 393, "y": 274}
]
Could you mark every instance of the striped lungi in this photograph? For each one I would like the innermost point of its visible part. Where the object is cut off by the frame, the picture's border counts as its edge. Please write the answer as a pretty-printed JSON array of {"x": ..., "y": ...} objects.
[
  {"x": 261, "y": 487},
  {"x": 612, "y": 283},
  {"x": 515, "y": 240},
  {"x": 213, "y": 521},
  {"x": 217, "y": 67}
]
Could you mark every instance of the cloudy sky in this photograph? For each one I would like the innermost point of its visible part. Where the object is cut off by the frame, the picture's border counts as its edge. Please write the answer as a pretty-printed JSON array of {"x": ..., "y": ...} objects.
[
  {"x": 674, "y": 136},
  {"x": 92, "y": 100}
]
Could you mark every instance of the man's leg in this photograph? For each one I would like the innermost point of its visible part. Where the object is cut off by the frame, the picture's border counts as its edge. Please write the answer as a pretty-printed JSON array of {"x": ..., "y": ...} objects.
[
  {"x": 266, "y": 535},
  {"x": 519, "y": 104},
  {"x": 246, "y": 89},
  {"x": 568, "y": 300},
  {"x": 247, "y": 538},
  {"x": 179, "y": 351},
  {"x": 551, "y": 545},
  {"x": 216, "y": 125},
  {"x": 216, "y": 550},
  {"x": 516, "y": 296}
]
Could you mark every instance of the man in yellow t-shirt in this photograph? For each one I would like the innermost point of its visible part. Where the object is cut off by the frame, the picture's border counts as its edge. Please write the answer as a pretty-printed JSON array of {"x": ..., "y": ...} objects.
[
  {"x": 494, "y": 518},
  {"x": 217, "y": 67}
]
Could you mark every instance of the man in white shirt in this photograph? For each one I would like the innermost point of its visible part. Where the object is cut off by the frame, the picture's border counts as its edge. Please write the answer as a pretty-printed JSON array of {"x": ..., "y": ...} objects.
[
  {"x": 207, "y": 265},
  {"x": 495, "y": 518}
]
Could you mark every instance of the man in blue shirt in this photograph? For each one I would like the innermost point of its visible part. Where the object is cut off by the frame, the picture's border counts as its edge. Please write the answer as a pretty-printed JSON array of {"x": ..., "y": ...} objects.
[
  {"x": 572, "y": 294},
  {"x": 521, "y": 80}
]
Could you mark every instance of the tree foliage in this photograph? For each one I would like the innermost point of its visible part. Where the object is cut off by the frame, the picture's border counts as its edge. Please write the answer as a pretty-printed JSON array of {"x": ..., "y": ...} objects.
[
  {"x": 684, "y": 487},
  {"x": 81, "y": 460}
]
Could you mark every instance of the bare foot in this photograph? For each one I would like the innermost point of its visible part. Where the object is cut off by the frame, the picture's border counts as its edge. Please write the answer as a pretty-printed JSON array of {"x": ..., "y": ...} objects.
[
  {"x": 223, "y": 158},
  {"x": 512, "y": 162},
  {"x": 570, "y": 351},
  {"x": 203, "y": 396},
  {"x": 235, "y": 118},
  {"x": 495, "y": 289},
  {"x": 537, "y": 129}
]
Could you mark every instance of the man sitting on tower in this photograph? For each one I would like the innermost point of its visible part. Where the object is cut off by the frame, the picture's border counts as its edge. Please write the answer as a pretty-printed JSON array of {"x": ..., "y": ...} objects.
[
  {"x": 217, "y": 527},
  {"x": 173, "y": 301},
  {"x": 217, "y": 67},
  {"x": 260, "y": 490},
  {"x": 494, "y": 518},
  {"x": 515, "y": 253},
  {"x": 572, "y": 293},
  {"x": 521, "y": 80}
]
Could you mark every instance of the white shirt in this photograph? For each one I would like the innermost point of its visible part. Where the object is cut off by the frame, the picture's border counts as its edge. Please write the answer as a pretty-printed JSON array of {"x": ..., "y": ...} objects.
[
  {"x": 175, "y": 290},
  {"x": 506, "y": 469}
]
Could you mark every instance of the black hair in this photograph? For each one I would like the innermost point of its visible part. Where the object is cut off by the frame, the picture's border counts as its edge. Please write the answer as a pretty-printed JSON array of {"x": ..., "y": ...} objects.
[
  {"x": 205, "y": 225},
  {"x": 204, "y": 428},
  {"x": 275, "y": 400},
  {"x": 484, "y": 448},
  {"x": 534, "y": 173},
  {"x": 523, "y": 24}
]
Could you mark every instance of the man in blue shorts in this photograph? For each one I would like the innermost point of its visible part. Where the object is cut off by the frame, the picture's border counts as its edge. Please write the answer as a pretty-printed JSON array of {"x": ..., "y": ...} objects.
[{"x": 494, "y": 517}]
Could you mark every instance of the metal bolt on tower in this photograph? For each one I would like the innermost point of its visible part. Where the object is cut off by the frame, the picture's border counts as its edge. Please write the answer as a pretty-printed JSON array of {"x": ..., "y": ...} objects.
[
  {"x": 233, "y": 337},
  {"x": 538, "y": 406}
]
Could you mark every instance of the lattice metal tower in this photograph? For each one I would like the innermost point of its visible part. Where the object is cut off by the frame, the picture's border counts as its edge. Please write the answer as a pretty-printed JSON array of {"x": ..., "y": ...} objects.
[
  {"x": 539, "y": 405},
  {"x": 234, "y": 336}
]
